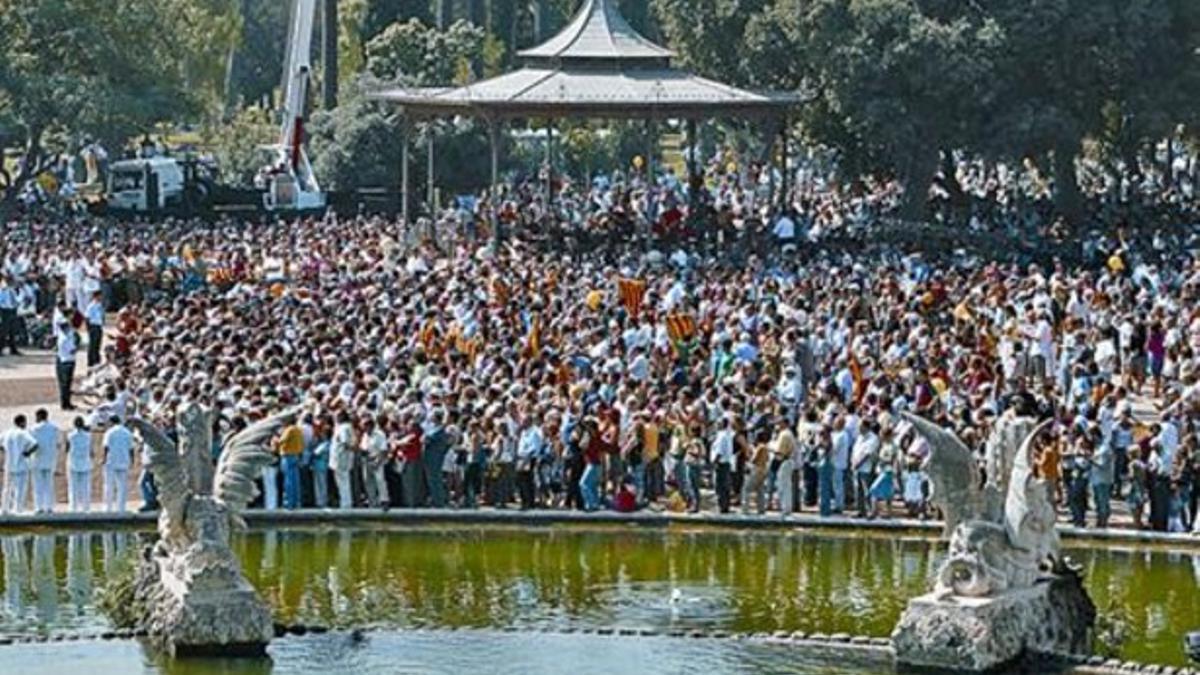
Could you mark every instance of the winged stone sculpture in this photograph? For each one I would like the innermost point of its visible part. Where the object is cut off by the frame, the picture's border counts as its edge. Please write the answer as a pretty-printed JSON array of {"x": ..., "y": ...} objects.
[
  {"x": 190, "y": 584},
  {"x": 1002, "y": 535}
]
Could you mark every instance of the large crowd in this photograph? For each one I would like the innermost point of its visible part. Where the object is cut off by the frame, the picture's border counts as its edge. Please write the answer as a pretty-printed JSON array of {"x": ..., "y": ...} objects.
[{"x": 611, "y": 352}]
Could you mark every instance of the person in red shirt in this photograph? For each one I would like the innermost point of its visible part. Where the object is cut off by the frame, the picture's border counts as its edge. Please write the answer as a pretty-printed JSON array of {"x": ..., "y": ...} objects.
[{"x": 408, "y": 454}]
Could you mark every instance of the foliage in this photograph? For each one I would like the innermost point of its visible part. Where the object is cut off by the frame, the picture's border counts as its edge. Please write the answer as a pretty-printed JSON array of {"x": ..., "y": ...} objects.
[
  {"x": 237, "y": 145},
  {"x": 418, "y": 55},
  {"x": 257, "y": 65},
  {"x": 116, "y": 597},
  {"x": 108, "y": 69},
  {"x": 358, "y": 143}
]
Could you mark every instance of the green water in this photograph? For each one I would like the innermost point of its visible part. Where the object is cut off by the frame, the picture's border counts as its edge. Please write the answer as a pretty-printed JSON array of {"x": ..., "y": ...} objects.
[{"x": 572, "y": 579}]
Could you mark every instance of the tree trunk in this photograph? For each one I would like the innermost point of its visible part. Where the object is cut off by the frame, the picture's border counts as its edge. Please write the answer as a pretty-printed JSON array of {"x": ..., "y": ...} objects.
[
  {"x": 917, "y": 180},
  {"x": 31, "y": 166},
  {"x": 329, "y": 54},
  {"x": 1067, "y": 198}
]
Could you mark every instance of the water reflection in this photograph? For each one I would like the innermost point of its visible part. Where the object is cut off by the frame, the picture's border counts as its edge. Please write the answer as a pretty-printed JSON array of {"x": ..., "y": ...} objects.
[
  {"x": 79, "y": 570},
  {"x": 565, "y": 578}
]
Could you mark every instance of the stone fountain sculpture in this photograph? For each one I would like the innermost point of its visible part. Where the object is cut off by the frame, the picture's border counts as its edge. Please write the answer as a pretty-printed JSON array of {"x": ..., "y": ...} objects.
[
  {"x": 189, "y": 594},
  {"x": 1003, "y": 592}
]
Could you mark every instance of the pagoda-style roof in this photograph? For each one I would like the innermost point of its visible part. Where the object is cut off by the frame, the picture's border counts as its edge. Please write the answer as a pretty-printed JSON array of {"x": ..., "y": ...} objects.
[
  {"x": 597, "y": 66},
  {"x": 598, "y": 31}
]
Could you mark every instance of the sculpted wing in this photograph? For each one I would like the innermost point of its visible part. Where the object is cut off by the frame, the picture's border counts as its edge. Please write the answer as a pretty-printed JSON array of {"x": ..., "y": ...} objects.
[
  {"x": 242, "y": 458},
  {"x": 1029, "y": 516},
  {"x": 953, "y": 471},
  {"x": 170, "y": 477}
]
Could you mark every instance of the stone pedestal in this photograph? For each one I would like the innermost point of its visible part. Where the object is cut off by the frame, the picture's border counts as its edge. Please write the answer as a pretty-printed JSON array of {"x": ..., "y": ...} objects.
[
  {"x": 206, "y": 610},
  {"x": 1053, "y": 618}
]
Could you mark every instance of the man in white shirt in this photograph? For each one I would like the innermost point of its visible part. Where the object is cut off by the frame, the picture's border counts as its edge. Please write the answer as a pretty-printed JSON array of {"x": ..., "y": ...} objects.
[
  {"x": 118, "y": 454},
  {"x": 8, "y": 316},
  {"x": 843, "y": 440},
  {"x": 66, "y": 344},
  {"x": 341, "y": 459},
  {"x": 79, "y": 467},
  {"x": 95, "y": 327},
  {"x": 722, "y": 456},
  {"x": 374, "y": 449},
  {"x": 529, "y": 450},
  {"x": 18, "y": 444},
  {"x": 45, "y": 460}
]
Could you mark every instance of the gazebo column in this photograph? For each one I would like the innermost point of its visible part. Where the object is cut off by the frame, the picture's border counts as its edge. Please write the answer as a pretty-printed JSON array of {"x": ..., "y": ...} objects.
[
  {"x": 785, "y": 173},
  {"x": 692, "y": 164},
  {"x": 651, "y": 197},
  {"x": 404, "y": 183},
  {"x": 549, "y": 166},
  {"x": 494, "y": 194}
]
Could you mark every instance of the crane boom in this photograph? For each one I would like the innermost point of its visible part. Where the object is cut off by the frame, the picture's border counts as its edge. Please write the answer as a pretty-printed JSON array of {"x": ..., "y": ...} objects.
[{"x": 293, "y": 184}]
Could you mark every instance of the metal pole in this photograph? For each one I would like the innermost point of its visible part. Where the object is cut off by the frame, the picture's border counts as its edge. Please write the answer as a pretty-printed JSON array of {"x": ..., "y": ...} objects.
[{"x": 404, "y": 171}]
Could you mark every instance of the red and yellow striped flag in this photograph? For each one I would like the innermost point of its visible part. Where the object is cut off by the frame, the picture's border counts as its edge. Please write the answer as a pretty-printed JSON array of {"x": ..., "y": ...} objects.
[
  {"x": 533, "y": 341},
  {"x": 631, "y": 292},
  {"x": 681, "y": 326}
]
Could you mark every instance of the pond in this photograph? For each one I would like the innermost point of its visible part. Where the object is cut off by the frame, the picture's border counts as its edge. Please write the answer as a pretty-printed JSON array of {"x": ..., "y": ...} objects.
[{"x": 559, "y": 579}]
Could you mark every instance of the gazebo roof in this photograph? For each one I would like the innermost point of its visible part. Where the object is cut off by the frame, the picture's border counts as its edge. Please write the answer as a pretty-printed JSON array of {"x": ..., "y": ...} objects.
[
  {"x": 598, "y": 65},
  {"x": 598, "y": 31}
]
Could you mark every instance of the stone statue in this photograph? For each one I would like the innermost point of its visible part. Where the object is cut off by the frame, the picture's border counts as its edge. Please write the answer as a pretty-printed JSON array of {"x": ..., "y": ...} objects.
[
  {"x": 1002, "y": 591},
  {"x": 190, "y": 588},
  {"x": 1001, "y": 534}
]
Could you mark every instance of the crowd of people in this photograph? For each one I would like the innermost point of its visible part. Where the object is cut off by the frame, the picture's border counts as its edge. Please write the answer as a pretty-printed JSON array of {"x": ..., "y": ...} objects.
[{"x": 761, "y": 369}]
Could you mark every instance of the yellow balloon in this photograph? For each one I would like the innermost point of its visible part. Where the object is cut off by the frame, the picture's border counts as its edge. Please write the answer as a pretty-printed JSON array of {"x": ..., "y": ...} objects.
[{"x": 638, "y": 161}]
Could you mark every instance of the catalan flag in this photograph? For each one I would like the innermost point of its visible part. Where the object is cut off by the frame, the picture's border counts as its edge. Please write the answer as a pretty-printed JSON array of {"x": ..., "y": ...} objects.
[
  {"x": 631, "y": 292},
  {"x": 860, "y": 382},
  {"x": 681, "y": 326},
  {"x": 533, "y": 340}
]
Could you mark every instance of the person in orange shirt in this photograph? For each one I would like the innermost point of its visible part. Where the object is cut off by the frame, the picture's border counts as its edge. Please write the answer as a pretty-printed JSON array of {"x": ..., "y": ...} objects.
[{"x": 290, "y": 446}]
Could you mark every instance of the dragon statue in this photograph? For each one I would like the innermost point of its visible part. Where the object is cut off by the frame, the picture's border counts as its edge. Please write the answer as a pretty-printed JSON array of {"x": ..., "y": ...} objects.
[
  {"x": 1002, "y": 533},
  {"x": 190, "y": 590}
]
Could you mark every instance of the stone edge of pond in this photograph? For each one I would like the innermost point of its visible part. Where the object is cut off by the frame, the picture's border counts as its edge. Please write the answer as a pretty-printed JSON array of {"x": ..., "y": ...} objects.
[
  {"x": 867, "y": 646},
  {"x": 258, "y": 518}
]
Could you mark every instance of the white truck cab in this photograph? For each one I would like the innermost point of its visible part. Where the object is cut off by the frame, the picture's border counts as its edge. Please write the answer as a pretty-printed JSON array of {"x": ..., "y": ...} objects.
[{"x": 140, "y": 185}]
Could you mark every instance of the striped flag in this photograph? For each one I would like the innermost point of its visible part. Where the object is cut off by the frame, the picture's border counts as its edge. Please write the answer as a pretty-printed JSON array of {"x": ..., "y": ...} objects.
[
  {"x": 860, "y": 382},
  {"x": 533, "y": 341},
  {"x": 631, "y": 292},
  {"x": 681, "y": 326}
]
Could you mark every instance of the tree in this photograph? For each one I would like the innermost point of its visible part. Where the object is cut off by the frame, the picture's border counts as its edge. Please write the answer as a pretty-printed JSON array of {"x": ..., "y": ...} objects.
[
  {"x": 896, "y": 80},
  {"x": 107, "y": 68},
  {"x": 1121, "y": 71},
  {"x": 422, "y": 56},
  {"x": 237, "y": 145}
]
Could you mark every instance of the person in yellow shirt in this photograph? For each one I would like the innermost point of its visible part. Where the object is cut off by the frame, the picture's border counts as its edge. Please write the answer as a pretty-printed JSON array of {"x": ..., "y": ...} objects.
[
  {"x": 652, "y": 456},
  {"x": 290, "y": 446}
]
